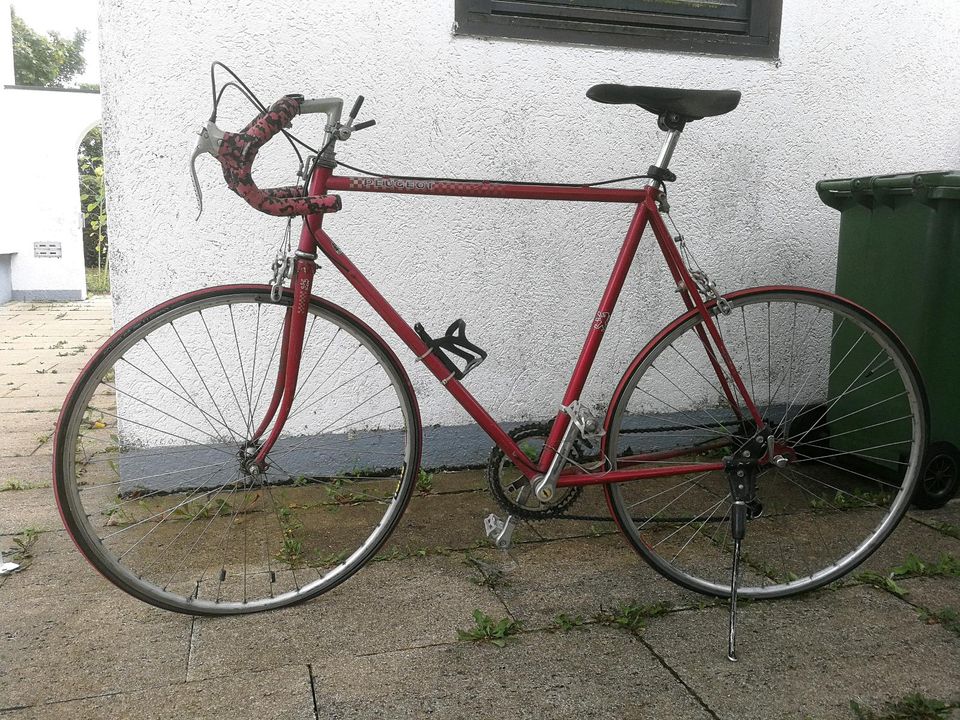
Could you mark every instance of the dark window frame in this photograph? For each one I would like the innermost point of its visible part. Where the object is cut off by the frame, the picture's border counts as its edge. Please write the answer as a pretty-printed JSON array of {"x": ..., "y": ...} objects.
[{"x": 745, "y": 28}]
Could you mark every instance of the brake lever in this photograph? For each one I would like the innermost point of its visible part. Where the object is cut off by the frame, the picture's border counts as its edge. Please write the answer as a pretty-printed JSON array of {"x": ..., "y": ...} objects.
[{"x": 211, "y": 138}]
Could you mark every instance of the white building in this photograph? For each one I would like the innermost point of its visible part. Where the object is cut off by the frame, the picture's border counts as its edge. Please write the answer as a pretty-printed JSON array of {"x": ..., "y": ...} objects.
[
  {"x": 855, "y": 88},
  {"x": 41, "y": 241}
]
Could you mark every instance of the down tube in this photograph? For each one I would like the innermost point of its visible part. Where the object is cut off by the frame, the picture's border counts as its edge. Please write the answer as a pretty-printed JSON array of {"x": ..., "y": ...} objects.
[
  {"x": 417, "y": 346},
  {"x": 595, "y": 335}
]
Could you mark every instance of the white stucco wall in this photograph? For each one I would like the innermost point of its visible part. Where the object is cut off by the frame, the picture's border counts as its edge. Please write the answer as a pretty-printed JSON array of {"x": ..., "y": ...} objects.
[
  {"x": 861, "y": 88},
  {"x": 41, "y": 195},
  {"x": 40, "y": 186}
]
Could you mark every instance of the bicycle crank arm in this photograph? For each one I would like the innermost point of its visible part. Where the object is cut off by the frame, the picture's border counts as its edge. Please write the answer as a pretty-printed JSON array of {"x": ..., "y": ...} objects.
[{"x": 546, "y": 485}]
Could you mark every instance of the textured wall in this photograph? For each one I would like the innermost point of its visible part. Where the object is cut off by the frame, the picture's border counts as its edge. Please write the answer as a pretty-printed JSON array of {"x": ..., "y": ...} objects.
[{"x": 861, "y": 88}]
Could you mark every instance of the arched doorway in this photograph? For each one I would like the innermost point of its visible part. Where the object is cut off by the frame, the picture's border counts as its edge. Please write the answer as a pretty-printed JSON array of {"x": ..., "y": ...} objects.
[{"x": 93, "y": 211}]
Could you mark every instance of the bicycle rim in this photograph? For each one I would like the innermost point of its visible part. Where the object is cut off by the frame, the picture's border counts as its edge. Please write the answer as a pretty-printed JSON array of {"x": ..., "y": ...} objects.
[
  {"x": 154, "y": 441},
  {"x": 848, "y": 414}
]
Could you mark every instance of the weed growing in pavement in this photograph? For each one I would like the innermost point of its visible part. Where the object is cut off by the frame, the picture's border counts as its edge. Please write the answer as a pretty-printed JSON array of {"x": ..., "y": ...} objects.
[
  {"x": 329, "y": 559},
  {"x": 948, "y": 617},
  {"x": 488, "y": 576},
  {"x": 852, "y": 501},
  {"x": 881, "y": 581},
  {"x": 486, "y": 629},
  {"x": 424, "y": 481},
  {"x": 23, "y": 547},
  {"x": 566, "y": 623},
  {"x": 632, "y": 616},
  {"x": 398, "y": 553},
  {"x": 947, "y": 529},
  {"x": 909, "y": 707},
  {"x": 945, "y": 566},
  {"x": 11, "y": 485}
]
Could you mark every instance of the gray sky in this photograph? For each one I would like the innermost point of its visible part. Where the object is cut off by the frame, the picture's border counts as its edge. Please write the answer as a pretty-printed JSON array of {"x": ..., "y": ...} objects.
[{"x": 65, "y": 16}]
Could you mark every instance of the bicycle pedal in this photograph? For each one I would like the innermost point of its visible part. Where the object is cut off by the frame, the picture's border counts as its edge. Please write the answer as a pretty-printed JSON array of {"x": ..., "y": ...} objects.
[{"x": 499, "y": 532}]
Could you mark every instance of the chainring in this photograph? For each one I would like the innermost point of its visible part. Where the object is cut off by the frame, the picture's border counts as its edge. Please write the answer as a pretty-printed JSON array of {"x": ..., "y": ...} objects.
[{"x": 506, "y": 490}]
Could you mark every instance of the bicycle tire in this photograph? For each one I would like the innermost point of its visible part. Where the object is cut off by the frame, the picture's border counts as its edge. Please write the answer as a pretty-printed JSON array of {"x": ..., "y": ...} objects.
[
  {"x": 172, "y": 394},
  {"x": 831, "y": 504}
]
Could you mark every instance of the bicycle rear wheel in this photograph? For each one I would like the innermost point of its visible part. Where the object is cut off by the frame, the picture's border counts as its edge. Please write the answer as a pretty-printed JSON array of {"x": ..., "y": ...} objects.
[
  {"x": 848, "y": 413},
  {"x": 151, "y": 465}
]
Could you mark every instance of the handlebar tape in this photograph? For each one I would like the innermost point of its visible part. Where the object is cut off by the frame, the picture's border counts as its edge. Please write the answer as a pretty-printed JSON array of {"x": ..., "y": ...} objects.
[{"x": 239, "y": 150}]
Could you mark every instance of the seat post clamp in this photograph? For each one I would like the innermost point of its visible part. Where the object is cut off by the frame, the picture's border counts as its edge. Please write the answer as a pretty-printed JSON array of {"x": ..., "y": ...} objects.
[{"x": 661, "y": 175}]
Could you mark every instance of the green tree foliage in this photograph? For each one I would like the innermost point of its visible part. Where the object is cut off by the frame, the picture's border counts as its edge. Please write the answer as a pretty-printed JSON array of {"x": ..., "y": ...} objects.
[
  {"x": 93, "y": 200},
  {"x": 45, "y": 61}
]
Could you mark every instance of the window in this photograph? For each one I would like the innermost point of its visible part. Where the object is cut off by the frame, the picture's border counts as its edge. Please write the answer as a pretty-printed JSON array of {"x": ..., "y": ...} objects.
[{"x": 729, "y": 27}]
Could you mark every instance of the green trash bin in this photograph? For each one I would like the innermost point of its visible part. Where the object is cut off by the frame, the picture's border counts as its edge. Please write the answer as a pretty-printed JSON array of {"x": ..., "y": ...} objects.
[{"x": 899, "y": 256}]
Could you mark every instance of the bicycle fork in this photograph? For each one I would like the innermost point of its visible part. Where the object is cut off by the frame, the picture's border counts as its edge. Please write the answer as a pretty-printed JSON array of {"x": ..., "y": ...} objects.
[{"x": 294, "y": 327}]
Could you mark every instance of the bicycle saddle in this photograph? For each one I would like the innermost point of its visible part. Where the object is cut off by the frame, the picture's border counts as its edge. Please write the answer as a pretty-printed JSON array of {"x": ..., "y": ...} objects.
[{"x": 686, "y": 104}]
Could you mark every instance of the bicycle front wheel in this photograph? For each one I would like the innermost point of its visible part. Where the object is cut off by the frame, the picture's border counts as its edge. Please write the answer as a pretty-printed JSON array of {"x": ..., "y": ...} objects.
[
  {"x": 848, "y": 414},
  {"x": 154, "y": 443}
]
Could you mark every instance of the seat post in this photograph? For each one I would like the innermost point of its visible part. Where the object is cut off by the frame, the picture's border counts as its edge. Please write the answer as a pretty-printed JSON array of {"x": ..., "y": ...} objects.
[{"x": 658, "y": 171}]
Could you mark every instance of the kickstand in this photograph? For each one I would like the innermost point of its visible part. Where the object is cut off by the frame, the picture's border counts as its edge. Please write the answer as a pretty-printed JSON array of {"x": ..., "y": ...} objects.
[{"x": 738, "y": 520}]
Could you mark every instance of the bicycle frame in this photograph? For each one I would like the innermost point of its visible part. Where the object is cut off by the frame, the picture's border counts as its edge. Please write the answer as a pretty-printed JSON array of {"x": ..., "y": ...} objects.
[{"x": 647, "y": 212}]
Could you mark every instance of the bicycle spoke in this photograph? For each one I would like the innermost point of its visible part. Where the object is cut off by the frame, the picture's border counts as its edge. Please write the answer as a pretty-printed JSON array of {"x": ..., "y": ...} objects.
[
  {"x": 839, "y": 400},
  {"x": 203, "y": 382},
  {"x": 159, "y": 476},
  {"x": 226, "y": 375},
  {"x": 189, "y": 397}
]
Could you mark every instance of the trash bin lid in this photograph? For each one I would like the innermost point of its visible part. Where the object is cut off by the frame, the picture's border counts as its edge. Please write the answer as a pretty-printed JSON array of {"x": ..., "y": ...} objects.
[{"x": 925, "y": 186}]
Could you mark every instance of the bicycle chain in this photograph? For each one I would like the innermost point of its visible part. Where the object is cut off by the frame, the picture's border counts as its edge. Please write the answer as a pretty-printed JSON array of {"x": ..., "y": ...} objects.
[{"x": 564, "y": 499}]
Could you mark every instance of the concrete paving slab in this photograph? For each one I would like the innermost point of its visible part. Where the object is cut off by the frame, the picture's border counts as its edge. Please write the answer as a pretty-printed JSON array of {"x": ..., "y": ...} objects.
[
  {"x": 450, "y": 520},
  {"x": 34, "y": 508},
  {"x": 387, "y": 606},
  {"x": 948, "y": 514},
  {"x": 458, "y": 480},
  {"x": 26, "y": 471},
  {"x": 18, "y": 405},
  {"x": 934, "y": 594},
  {"x": 575, "y": 577},
  {"x": 46, "y": 385},
  {"x": 810, "y": 656},
  {"x": 911, "y": 538},
  {"x": 58, "y": 646},
  {"x": 597, "y": 674},
  {"x": 24, "y": 442},
  {"x": 55, "y": 563},
  {"x": 282, "y": 694},
  {"x": 69, "y": 636},
  {"x": 32, "y": 428}
]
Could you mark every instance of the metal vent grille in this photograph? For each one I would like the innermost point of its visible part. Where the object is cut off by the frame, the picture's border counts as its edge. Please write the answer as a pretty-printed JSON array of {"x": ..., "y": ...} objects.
[{"x": 47, "y": 250}]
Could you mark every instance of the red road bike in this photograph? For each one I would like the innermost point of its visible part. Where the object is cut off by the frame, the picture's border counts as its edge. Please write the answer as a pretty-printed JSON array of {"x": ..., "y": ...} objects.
[{"x": 245, "y": 447}]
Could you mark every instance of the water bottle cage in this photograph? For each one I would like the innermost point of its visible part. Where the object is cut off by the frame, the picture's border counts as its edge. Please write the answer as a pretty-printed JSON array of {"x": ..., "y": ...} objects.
[{"x": 453, "y": 341}]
